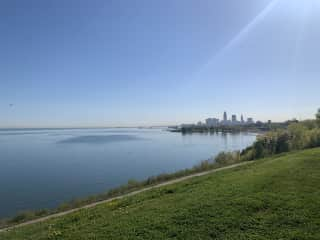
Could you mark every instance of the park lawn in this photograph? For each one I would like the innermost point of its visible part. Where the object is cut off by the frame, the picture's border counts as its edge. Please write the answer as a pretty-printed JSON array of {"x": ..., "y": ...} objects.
[{"x": 273, "y": 198}]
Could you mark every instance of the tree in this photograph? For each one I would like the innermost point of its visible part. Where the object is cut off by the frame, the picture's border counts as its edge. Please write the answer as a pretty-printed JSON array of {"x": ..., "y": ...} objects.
[
  {"x": 283, "y": 143},
  {"x": 314, "y": 137},
  {"x": 258, "y": 149},
  {"x": 318, "y": 117},
  {"x": 298, "y": 136}
]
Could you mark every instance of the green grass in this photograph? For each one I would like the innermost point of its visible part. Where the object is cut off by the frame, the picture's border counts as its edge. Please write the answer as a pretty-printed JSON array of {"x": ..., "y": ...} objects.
[{"x": 274, "y": 198}]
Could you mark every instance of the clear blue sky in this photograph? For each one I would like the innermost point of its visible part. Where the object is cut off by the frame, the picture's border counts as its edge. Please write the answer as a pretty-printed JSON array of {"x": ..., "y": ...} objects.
[{"x": 150, "y": 62}]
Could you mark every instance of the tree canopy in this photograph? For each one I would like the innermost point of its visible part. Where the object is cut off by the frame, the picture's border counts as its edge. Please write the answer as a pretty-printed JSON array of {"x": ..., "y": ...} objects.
[{"x": 318, "y": 116}]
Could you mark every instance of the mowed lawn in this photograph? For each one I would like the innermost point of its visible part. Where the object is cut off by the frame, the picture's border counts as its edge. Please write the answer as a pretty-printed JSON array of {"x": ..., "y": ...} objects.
[{"x": 274, "y": 198}]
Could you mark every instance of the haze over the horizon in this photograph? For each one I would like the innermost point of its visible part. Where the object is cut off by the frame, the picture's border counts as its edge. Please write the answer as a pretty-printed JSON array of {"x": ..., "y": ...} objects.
[{"x": 129, "y": 63}]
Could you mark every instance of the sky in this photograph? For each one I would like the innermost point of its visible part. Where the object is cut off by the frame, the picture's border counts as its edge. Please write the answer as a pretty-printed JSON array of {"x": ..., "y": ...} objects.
[{"x": 150, "y": 62}]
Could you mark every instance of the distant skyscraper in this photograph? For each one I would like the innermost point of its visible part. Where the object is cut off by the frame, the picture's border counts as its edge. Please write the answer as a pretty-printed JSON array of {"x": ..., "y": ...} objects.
[
  {"x": 212, "y": 122},
  {"x": 242, "y": 120},
  {"x": 250, "y": 121},
  {"x": 225, "y": 118},
  {"x": 234, "y": 118}
]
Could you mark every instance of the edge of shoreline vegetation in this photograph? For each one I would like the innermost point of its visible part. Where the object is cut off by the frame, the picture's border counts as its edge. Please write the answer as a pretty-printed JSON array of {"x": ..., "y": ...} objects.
[{"x": 297, "y": 136}]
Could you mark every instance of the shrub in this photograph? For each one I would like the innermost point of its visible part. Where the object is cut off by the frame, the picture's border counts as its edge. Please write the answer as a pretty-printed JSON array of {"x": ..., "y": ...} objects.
[
  {"x": 283, "y": 143},
  {"x": 318, "y": 117},
  {"x": 259, "y": 149},
  {"x": 309, "y": 124},
  {"x": 247, "y": 154},
  {"x": 314, "y": 138},
  {"x": 225, "y": 158},
  {"x": 298, "y": 136}
]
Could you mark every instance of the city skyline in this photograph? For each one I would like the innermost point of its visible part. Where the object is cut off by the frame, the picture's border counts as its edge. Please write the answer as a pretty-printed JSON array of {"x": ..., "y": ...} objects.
[
  {"x": 126, "y": 63},
  {"x": 225, "y": 121}
]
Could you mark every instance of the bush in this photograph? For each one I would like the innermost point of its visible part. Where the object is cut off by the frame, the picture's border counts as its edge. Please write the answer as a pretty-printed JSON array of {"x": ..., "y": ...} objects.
[
  {"x": 318, "y": 117},
  {"x": 298, "y": 136},
  {"x": 309, "y": 124},
  {"x": 247, "y": 154},
  {"x": 314, "y": 138},
  {"x": 266, "y": 145},
  {"x": 225, "y": 158},
  {"x": 283, "y": 143}
]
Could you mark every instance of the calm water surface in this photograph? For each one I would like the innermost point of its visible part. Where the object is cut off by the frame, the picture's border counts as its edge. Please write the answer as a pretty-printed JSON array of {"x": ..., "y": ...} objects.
[{"x": 43, "y": 168}]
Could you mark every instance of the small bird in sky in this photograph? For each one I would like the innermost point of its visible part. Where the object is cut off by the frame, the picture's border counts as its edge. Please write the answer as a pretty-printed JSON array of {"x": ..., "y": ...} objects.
[{"x": 11, "y": 105}]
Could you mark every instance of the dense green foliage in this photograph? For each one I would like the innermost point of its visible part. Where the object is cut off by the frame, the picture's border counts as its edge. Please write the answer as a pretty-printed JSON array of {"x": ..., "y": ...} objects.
[
  {"x": 274, "y": 198},
  {"x": 318, "y": 117},
  {"x": 227, "y": 158},
  {"x": 296, "y": 136}
]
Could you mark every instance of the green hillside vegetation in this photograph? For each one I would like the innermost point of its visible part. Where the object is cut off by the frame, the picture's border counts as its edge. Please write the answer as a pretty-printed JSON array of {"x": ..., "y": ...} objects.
[
  {"x": 297, "y": 136},
  {"x": 274, "y": 198}
]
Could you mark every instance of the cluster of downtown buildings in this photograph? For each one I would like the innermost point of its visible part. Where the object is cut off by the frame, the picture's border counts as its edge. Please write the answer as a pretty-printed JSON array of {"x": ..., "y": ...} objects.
[{"x": 215, "y": 122}]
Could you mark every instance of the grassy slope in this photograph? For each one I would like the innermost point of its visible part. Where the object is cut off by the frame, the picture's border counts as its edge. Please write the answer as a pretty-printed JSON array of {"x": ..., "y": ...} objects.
[{"x": 276, "y": 198}]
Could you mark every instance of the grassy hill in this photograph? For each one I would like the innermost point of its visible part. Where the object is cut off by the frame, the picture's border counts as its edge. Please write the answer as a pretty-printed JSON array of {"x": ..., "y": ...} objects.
[{"x": 274, "y": 198}]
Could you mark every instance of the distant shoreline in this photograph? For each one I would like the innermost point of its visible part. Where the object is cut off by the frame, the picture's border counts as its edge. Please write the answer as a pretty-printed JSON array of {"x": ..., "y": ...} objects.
[
  {"x": 218, "y": 130},
  {"x": 75, "y": 128},
  {"x": 258, "y": 127}
]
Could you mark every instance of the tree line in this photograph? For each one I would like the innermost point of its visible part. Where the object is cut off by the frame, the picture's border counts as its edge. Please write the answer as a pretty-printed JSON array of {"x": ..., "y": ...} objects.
[{"x": 297, "y": 136}]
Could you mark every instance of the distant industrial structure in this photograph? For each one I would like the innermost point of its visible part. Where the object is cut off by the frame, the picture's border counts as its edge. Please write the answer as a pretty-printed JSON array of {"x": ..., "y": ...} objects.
[{"x": 215, "y": 122}]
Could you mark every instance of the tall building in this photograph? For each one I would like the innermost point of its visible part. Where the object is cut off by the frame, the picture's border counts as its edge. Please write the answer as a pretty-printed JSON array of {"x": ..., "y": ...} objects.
[
  {"x": 250, "y": 121},
  {"x": 242, "y": 120},
  {"x": 234, "y": 118},
  {"x": 212, "y": 122},
  {"x": 225, "y": 118}
]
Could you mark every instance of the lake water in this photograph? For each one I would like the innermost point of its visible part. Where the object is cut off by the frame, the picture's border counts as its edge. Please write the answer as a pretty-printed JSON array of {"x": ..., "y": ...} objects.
[{"x": 43, "y": 168}]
